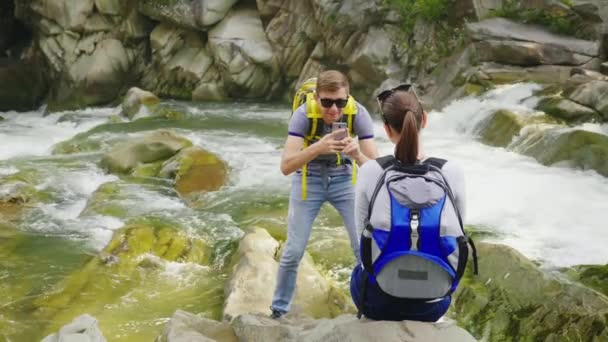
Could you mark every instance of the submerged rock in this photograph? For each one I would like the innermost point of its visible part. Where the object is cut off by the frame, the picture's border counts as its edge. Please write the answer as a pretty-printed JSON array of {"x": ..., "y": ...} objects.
[
  {"x": 83, "y": 328},
  {"x": 129, "y": 264}
]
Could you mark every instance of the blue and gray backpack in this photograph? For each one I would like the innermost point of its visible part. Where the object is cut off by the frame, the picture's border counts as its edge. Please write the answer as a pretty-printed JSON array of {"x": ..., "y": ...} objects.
[{"x": 421, "y": 254}]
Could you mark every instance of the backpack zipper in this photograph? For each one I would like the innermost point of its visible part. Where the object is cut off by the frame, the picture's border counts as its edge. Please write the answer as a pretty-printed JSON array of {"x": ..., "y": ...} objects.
[{"x": 415, "y": 229}]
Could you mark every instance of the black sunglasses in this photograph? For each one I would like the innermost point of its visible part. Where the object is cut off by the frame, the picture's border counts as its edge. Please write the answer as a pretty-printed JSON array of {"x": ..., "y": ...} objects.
[
  {"x": 327, "y": 103},
  {"x": 402, "y": 87},
  {"x": 387, "y": 93}
]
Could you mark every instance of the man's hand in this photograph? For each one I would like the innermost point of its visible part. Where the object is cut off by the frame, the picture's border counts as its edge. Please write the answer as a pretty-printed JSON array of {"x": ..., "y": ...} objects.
[{"x": 328, "y": 144}]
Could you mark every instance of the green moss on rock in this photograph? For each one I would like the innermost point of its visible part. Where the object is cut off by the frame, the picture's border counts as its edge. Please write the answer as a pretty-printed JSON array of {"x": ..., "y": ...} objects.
[
  {"x": 567, "y": 110},
  {"x": 500, "y": 128},
  {"x": 120, "y": 267},
  {"x": 513, "y": 300},
  {"x": 579, "y": 148},
  {"x": 195, "y": 170},
  {"x": 147, "y": 169},
  {"x": 594, "y": 276}
]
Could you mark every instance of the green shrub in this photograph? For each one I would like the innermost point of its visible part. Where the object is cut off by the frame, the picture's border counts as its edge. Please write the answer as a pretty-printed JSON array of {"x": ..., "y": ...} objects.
[
  {"x": 411, "y": 10},
  {"x": 561, "y": 22}
]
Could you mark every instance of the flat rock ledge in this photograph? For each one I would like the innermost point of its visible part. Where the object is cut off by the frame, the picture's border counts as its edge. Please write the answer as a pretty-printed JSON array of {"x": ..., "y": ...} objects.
[{"x": 185, "y": 326}]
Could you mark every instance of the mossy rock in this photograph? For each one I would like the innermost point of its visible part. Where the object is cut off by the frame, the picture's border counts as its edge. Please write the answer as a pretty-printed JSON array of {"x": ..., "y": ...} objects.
[
  {"x": 594, "y": 276},
  {"x": 479, "y": 232},
  {"x": 121, "y": 266},
  {"x": 77, "y": 145},
  {"x": 267, "y": 212},
  {"x": 20, "y": 191},
  {"x": 474, "y": 89},
  {"x": 105, "y": 201},
  {"x": 549, "y": 90},
  {"x": 500, "y": 128},
  {"x": 513, "y": 300},
  {"x": 147, "y": 170},
  {"x": 195, "y": 170},
  {"x": 578, "y": 148},
  {"x": 160, "y": 145},
  {"x": 567, "y": 110}
]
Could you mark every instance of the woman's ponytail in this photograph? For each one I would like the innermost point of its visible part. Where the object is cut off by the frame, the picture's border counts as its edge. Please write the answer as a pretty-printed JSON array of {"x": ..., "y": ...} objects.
[
  {"x": 402, "y": 111},
  {"x": 406, "y": 149}
]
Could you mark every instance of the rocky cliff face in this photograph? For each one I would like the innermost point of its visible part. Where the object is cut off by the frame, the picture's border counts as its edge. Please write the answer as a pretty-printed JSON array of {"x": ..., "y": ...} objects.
[{"x": 93, "y": 51}]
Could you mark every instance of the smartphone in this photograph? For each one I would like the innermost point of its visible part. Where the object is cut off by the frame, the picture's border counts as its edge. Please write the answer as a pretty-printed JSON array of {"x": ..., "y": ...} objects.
[{"x": 338, "y": 126}]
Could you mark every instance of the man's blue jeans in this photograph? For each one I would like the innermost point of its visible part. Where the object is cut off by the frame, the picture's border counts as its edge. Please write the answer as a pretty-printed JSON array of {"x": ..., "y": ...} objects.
[{"x": 340, "y": 193}]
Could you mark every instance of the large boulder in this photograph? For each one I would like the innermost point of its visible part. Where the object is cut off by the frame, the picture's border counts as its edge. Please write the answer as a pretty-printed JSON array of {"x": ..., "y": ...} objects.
[
  {"x": 160, "y": 145},
  {"x": 182, "y": 66},
  {"x": 198, "y": 15},
  {"x": 508, "y": 31},
  {"x": 92, "y": 49},
  {"x": 574, "y": 147},
  {"x": 95, "y": 78},
  {"x": 527, "y": 53},
  {"x": 243, "y": 54},
  {"x": 592, "y": 94},
  {"x": 251, "y": 285},
  {"x": 512, "y": 299},
  {"x": 67, "y": 14},
  {"x": 503, "y": 74},
  {"x": 567, "y": 110},
  {"x": 293, "y": 34}
]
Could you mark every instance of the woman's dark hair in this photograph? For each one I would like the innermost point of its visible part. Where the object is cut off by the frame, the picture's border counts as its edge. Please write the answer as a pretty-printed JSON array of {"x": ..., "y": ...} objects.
[{"x": 402, "y": 111}]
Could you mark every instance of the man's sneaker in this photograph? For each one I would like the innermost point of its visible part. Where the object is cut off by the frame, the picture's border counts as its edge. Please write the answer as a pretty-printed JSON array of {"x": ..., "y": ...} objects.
[{"x": 276, "y": 314}]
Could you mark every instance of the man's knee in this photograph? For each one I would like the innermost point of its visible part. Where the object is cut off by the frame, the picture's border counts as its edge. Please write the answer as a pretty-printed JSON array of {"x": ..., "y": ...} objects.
[{"x": 291, "y": 257}]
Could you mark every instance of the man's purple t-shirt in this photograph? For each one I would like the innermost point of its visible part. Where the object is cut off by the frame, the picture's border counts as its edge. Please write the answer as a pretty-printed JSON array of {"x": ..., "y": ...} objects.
[{"x": 299, "y": 126}]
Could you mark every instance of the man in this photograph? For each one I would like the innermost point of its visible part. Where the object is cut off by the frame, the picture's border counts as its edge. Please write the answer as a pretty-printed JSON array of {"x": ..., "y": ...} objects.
[{"x": 324, "y": 164}]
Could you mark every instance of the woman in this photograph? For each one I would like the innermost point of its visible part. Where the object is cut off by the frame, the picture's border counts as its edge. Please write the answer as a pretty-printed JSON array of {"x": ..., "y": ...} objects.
[{"x": 421, "y": 289}]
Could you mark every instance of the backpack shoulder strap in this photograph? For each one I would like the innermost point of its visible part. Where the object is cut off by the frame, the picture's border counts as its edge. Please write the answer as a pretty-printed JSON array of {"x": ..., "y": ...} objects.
[
  {"x": 436, "y": 162},
  {"x": 366, "y": 236},
  {"x": 386, "y": 161}
]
